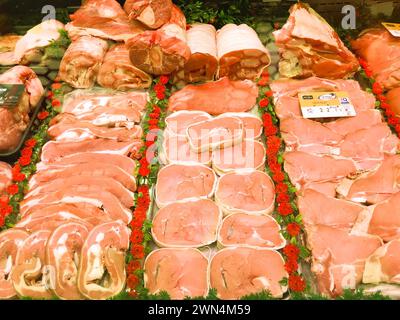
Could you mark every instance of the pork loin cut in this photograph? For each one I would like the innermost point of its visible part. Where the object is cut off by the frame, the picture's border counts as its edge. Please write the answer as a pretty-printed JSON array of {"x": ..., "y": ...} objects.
[
  {"x": 54, "y": 150},
  {"x": 179, "y": 182},
  {"x": 66, "y": 127},
  {"x": 164, "y": 50},
  {"x": 375, "y": 186},
  {"x": 309, "y": 46},
  {"x": 5, "y": 176},
  {"x": 384, "y": 264},
  {"x": 180, "y": 272},
  {"x": 237, "y": 272},
  {"x": 216, "y": 97},
  {"x": 81, "y": 62},
  {"x": 11, "y": 241},
  {"x": 371, "y": 45},
  {"x": 339, "y": 257},
  {"x": 203, "y": 62},
  {"x": 178, "y": 122},
  {"x": 63, "y": 252},
  {"x": 191, "y": 223},
  {"x": 251, "y": 192},
  {"x": 241, "y": 53},
  {"x": 117, "y": 71},
  {"x": 393, "y": 99},
  {"x": 101, "y": 273},
  {"x": 152, "y": 13},
  {"x": 52, "y": 216},
  {"x": 304, "y": 168},
  {"x": 29, "y": 272},
  {"x": 215, "y": 133},
  {"x": 249, "y": 154},
  {"x": 241, "y": 229}
]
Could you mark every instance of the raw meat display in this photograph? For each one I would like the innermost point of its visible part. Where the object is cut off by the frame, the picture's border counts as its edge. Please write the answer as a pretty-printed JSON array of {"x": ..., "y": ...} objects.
[
  {"x": 117, "y": 71},
  {"x": 81, "y": 62},
  {"x": 152, "y": 13},
  {"x": 216, "y": 97},
  {"x": 181, "y": 272},
  {"x": 190, "y": 223},
  {"x": 164, "y": 50},
  {"x": 5, "y": 176},
  {"x": 310, "y": 47},
  {"x": 394, "y": 101},
  {"x": 241, "y": 53},
  {"x": 236, "y": 272},
  {"x": 385, "y": 67},
  {"x": 104, "y": 19},
  {"x": 203, "y": 62}
]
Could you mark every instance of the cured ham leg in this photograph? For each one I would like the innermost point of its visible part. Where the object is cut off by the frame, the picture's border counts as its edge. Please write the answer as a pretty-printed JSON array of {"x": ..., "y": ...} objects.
[
  {"x": 203, "y": 62},
  {"x": 241, "y": 53},
  {"x": 164, "y": 50},
  {"x": 152, "y": 13},
  {"x": 82, "y": 60},
  {"x": 10, "y": 242},
  {"x": 101, "y": 272},
  {"x": 117, "y": 71},
  {"x": 63, "y": 254}
]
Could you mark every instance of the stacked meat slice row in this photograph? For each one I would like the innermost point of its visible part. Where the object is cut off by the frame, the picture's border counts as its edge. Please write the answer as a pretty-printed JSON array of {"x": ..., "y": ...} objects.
[
  {"x": 73, "y": 236},
  {"x": 347, "y": 174}
]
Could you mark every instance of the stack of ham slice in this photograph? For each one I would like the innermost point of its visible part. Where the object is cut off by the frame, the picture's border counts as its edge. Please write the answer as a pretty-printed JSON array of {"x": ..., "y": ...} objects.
[{"x": 310, "y": 47}]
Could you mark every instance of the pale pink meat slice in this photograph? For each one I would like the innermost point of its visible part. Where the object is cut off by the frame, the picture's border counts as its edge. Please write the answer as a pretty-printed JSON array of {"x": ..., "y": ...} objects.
[
  {"x": 250, "y": 192},
  {"x": 181, "y": 272},
  {"x": 5, "y": 176},
  {"x": 180, "y": 182},
  {"x": 247, "y": 155},
  {"x": 339, "y": 257},
  {"x": 178, "y": 122},
  {"x": 237, "y": 272},
  {"x": 191, "y": 223},
  {"x": 241, "y": 229},
  {"x": 252, "y": 124},
  {"x": 216, "y": 97}
]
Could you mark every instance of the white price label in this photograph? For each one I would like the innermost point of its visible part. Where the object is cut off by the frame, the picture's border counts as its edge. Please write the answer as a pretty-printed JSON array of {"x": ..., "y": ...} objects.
[{"x": 393, "y": 28}]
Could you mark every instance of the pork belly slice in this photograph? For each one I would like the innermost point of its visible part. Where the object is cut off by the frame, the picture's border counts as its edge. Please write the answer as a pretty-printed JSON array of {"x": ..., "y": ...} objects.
[
  {"x": 251, "y": 192},
  {"x": 152, "y": 13},
  {"x": 241, "y": 229},
  {"x": 178, "y": 122},
  {"x": 179, "y": 182},
  {"x": 189, "y": 223},
  {"x": 216, "y": 97},
  {"x": 11, "y": 241},
  {"x": 181, "y": 272},
  {"x": 236, "y": 272}
]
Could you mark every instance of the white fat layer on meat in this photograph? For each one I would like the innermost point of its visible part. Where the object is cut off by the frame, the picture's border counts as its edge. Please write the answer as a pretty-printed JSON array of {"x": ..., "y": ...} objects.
[
  {"x": 263, "y": 281},
  {"x": 87, "y": 105},
  {"x": 105, "y": 119},
  {"x": 147, "y": 15},
  {"x": 97, "y": 268},
  {"x": 74, "y": 135},
  {"x": 63, "y": 239},
  {"x": 100, "y": 237},
  {"x": 58, "y": 252},
  {"x": 77, "y": 199},
  {"x": 255, "y": 235},
  {"x": 8, "y": 266}
]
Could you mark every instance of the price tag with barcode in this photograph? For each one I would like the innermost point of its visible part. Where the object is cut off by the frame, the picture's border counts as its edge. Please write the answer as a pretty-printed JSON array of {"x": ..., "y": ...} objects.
[
  {"x": 326, "y": 105},
  {"x": 10, "y": 95},
  {"x": 393, "y": 28}
]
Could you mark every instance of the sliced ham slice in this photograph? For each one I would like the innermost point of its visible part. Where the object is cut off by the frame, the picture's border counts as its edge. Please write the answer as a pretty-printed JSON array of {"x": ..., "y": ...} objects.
[
  {"x": 11, "y": 241},
  {"x": 180, "y": 182},
  {"x": 180, "y": 272},
  {"x": 240, "y": 229},
  {"x": 237, "y": 272},
  {"x": 191, "y": 223},
  {"x": 54, "y": 150},
  {"x": 65, "y": 127},
  {"x": 384, "y": 264},
  {"x": 52, "y": 216},
  {"x": 309, "y": 46},
  {"x": 63, "y": 251},
  {"x": 393, "y": 99},
  {"x": 81, "y": 62},
  {"x": 29, "y": 275},
  {"x": 152, "y": 13},
  {"x": 164, "y": 50},
  {"x": 203, "y": 62},
  {"x": 216, "y": 97},
  {"x": 247, "y": 155},
  {"x": 178, "y": 122},
  {"x": 117, "y": 71},
  {"x": 215, "y": 133},
  {"x": 101, "y": 272},
  {"x": 339, "y": 257},
  {"x": 5, "y": 176},
  {"x": 102, "y": 18},
  {"x": 241, "y": 53},
  {"x": 248, "y": 192}
]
